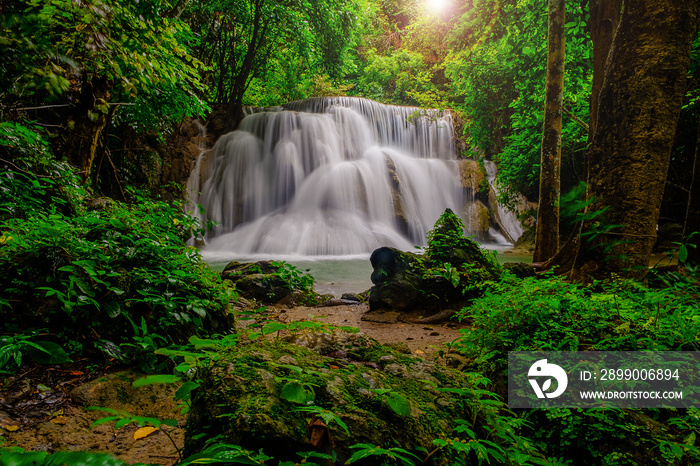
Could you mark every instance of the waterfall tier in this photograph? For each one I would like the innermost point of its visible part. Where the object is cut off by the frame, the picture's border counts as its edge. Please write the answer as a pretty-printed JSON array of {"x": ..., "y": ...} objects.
[{"x": 327, "y": 176}]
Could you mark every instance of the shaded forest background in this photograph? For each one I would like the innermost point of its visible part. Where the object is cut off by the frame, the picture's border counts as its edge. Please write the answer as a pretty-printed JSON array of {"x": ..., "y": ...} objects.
[{"x": 91, "y": 76}]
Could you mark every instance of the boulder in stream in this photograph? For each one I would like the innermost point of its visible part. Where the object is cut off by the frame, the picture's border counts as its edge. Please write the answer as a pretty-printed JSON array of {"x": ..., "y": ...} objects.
[
  {"x": 447, "y": 276},
  {"x": 270, "y": 282}
]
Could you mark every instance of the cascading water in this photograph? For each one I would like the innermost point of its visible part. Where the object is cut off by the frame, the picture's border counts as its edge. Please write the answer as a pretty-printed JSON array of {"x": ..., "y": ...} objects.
[
  {"x": 509, "y": 222},
  {"x": 327, "y": 176}
]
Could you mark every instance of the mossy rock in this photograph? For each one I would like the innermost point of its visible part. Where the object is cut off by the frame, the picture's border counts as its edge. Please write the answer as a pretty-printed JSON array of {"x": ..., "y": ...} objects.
[
  {"x": 520, "y": 269},
  {"x": 264, "y": 281},
  {"x": 243, "y": 398},
  {"x": 448, "y": 276}
]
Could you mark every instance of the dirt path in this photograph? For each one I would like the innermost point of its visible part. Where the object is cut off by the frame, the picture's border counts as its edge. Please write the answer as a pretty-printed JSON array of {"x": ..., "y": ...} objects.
[{"x": 422, "y": 339}]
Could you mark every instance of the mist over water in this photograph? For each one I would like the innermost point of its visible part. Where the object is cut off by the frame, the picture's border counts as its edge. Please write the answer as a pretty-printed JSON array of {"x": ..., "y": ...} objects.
[{"x": 327, "y": 177}]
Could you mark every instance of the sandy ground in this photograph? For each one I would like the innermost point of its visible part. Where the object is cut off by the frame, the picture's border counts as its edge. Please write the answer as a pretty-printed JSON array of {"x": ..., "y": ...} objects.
[{"x": 421, "y": 339}]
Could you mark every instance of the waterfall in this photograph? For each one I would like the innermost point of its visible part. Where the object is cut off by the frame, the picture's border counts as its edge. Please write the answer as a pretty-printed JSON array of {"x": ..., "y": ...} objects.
[
  {"x": 327, "y": 176},
  {"x": 508, "y": 220}
]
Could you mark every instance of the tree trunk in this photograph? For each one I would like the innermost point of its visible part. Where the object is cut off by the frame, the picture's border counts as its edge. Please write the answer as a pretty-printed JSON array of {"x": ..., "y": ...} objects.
[
  {"x": 547, "y": 237},
  {"x": 692, "y": 215},
  {"x": 86, "y": 124},
  {"x": 604, "y": 19},
  {"x": 241, "y": 80},
  {"x": 639, "y": 105}
]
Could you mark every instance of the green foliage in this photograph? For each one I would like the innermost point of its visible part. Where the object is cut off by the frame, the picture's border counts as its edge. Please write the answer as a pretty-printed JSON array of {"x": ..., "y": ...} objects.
[
  {"x": 53, "y": 50},
  {"x": 20, "y": 457},
  {"x": 401, "y": 78},
  {"x": 399, "y": 404},
  {"x": 112, "y": 272},
  {"x": 446, "y": 236},
  {"x": 297, "y": 392},
  {"x": 218, "y": 452},
  {"x": 553, "y": 315},
  {"x": 498, "y": 66},
  {"x": 398, "y": 455},
  {"x": 15, "y": 349},
  {"x": 294, "y": 278},
  {"x": 262, "y": 50}
]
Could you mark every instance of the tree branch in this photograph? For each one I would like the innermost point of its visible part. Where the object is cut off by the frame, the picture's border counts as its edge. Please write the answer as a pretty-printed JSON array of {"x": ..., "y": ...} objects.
[{"x": 576, "y": 119}]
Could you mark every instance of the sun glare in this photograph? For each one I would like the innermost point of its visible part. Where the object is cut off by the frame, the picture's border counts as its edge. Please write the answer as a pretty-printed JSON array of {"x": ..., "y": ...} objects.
[{"x": 437, "y": 6}]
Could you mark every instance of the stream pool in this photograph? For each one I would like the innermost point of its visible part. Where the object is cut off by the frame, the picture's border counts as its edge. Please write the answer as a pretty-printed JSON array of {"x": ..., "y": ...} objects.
[{"x": 338, "y": 274}]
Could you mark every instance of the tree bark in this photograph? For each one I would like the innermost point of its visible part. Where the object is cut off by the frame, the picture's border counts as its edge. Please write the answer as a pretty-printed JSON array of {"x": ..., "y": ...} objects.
[
  {"x": 547, "y": 236},
  {"x": 605, "y": 17},
  {"x": 86, "y": 124},
  {"x": 241, "y": 80},
  {"x": 639, "y": 105},
  {"x": 603, "y": 22},
  {"x": 692, "y": 214}
]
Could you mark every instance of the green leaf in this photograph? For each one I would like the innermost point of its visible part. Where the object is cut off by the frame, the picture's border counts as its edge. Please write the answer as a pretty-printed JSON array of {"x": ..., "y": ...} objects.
[
  {"x": 159, "y": 378},
  {"x": 297, "y": 393},
  {"x": 104, "y": 420},
  {"x": 116, "y": 223},
  {"x": 183, "y": 392},
  {"x": 113, "y": 309},
  {"x": 273, "y": 327},
  {"x": 48, "y": 353},
  {"x": 399, "y": 404},
  {"x": 121, "y": 423},
  {"x": 682, "y": 253}
]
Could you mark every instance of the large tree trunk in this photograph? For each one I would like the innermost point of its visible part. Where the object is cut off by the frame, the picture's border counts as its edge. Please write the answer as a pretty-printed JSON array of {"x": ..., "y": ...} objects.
[
  {"x": 86, "y": 124},
  {"x": 603, "y": 22},
  {"x": 547, "y": 236},
  {"x": 692, "y": 215},
  {"x": 639, "y": 105}
]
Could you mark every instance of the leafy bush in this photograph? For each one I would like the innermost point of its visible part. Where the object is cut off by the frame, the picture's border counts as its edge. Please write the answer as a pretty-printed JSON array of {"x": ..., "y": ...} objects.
[
  {"x": 552, "y": 315},
  {"x": 98, "y": 269}
]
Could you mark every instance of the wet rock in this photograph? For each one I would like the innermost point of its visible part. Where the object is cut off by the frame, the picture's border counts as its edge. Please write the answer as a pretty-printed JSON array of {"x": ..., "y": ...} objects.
[
  {"x": 478, "y": 218},
  {"x": 472, "y": 176},
  {"x": 405, "y": 281},
  {"x": 257, "y": 281},
  {"x": 351, "y": 297}
]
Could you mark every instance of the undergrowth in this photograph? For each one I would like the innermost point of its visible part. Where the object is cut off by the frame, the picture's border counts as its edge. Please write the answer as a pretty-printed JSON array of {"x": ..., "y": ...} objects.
[
  {"x": 90, "y": 270},
  {"x": 536, "y": 314}
]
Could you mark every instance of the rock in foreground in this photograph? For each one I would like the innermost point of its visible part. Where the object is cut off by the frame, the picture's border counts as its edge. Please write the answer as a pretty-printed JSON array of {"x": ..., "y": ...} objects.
[
  {"x": 450, "y": 273},
  {"x": 286, "y": 399}
]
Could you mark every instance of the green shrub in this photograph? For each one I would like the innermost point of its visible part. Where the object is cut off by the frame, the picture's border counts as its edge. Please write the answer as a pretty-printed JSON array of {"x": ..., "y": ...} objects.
[
  {"x": 550, "y": 314},
  {"x": 111, "y": 272}
]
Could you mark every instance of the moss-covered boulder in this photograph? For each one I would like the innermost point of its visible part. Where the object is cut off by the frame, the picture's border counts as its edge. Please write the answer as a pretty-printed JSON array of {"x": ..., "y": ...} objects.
[
  {"x": 449, "y": 275},
  {"x": 284, "y": 399},
  {"x": 270, "y": 282}
]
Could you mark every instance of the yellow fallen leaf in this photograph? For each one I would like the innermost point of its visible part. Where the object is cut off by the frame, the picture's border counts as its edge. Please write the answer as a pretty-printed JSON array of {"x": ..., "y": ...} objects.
[
  {"x": 419, "y": 352},
  {"x": 11, "y": 428},
  {"x": 144, "y": 432},
  {"x": 59, "y": 420}
]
